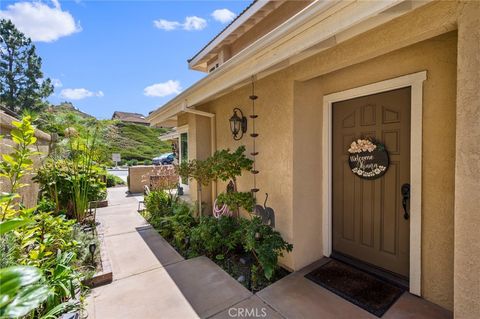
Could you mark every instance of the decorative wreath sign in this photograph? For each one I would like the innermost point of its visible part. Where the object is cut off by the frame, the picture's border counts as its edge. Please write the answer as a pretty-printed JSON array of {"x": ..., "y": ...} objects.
[{"x": 368, "y": 159}]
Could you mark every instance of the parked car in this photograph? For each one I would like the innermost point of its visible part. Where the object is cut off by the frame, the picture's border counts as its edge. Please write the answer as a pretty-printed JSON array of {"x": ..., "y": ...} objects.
[{"x": 164, "y": 159}]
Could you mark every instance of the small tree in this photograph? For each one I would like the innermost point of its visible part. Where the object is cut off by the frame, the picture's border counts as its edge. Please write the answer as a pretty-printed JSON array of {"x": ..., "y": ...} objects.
[
  {"x": 199, "y": 170},
  {"x": 228, "y": 165},
  {"x": 223, "y": 165},
  {"x": 22, "y": 86}
]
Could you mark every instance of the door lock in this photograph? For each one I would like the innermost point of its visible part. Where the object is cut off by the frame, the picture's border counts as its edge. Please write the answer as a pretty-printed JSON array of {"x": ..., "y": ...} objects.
[{"x": 405, "y": 189}]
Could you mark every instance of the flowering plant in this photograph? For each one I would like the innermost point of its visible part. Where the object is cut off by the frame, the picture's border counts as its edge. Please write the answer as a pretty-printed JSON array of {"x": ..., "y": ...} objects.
[{"x": 362, "y": 145}]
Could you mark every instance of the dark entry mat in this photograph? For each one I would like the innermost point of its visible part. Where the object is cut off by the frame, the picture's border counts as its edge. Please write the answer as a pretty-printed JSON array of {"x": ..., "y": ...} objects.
[{"x": 360, "y": 288}]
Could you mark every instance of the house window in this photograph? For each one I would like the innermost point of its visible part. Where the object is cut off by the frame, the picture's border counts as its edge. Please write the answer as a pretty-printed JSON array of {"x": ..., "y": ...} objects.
[
  {"x": 183, "y": 152},
  {"x": 184, "y": 147}
]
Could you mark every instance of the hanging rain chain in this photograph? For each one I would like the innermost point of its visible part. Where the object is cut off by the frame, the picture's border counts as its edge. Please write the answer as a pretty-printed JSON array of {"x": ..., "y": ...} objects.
[{"x": 254, "y": 135}]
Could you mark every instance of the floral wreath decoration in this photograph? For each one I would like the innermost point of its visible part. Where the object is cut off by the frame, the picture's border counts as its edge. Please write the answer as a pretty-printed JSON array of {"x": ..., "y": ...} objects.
[{"x": 367, "y": 146}]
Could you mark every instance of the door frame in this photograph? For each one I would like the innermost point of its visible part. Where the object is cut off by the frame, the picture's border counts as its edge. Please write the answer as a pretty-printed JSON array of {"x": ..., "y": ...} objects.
[{"x": 415, "y": 82}]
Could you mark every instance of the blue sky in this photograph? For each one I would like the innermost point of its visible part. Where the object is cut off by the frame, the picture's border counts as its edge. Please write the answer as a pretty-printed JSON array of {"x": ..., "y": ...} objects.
[{"x": 119, "y": 55}]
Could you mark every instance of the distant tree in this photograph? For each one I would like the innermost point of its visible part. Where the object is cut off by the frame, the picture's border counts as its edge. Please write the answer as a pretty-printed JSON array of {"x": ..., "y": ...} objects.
[{"x": 22, "y": 86}]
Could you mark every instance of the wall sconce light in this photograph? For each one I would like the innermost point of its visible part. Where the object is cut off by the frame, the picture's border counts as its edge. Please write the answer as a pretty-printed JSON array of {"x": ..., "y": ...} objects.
[{"x": 238, "y": 124}]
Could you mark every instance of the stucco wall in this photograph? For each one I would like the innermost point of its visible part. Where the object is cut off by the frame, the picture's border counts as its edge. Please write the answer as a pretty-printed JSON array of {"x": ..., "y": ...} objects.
[
  {"x": 467, "y": 180},
  {"x": 438, "y": 57},
  {"x": 29, "y": 193},
  {"x": 199, "y": 147},
  {"x": 290, "y": 120},
  {"x": 274, "y": 108}
]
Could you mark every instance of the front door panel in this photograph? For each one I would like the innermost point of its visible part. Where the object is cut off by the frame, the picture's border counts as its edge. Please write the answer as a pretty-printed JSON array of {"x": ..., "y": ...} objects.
[{"x": 368, "y": 217}]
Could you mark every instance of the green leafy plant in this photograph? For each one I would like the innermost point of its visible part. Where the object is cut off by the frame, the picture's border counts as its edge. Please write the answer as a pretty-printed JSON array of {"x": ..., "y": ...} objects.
[
  {"x": 200, "y": 171},
  {"x": 227, "y": 165},
  {"x": 178, "y": 225},
  {"x": 132, "y": 162},
  {"x": 57, "y": 179},
  {"x": 40, "y": 275},
  {"x": 18, "y": 164},
  {"x": 83, "y": 155},
  {"x": 222, "y": 165},
  {"x": 44, "y": 237},
  {"x": 21, "y": 290},
  {"x": 158, "y": 203},
  {"x": 216, "y": 238},
  {"x": 237, "y": 200},
  {"x": 114, "y": 180},
  {"x": 265, "y": 244},
  {"x": 71, "y": 176}
]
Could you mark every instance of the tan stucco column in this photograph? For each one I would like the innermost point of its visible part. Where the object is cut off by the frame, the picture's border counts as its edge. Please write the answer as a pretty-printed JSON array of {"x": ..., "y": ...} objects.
[{"x": 467, "y": 170}]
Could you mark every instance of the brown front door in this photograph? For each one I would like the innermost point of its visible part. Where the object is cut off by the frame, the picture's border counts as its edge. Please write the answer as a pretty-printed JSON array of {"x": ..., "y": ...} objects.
[{"x": 368, "y": 217}]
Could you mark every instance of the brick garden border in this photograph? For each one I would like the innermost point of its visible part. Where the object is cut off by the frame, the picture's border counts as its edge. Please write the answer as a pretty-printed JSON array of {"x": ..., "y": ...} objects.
[{"x": 105, "y": 276}]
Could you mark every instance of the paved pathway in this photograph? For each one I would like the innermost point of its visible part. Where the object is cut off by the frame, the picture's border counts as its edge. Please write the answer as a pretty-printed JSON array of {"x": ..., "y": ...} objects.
[{"x": 151, "y": 280}]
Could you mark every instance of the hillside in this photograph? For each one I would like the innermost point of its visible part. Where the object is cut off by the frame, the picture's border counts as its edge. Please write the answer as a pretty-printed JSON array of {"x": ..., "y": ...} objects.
[
  {"x": 135, "y": 141},
  {"x": 132, "y": 141}
]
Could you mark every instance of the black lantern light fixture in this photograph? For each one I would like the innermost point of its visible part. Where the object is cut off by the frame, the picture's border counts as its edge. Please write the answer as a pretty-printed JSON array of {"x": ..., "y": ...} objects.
[
  {"x": 91, "y": 248},
  {"x": 238, "y": 124}
]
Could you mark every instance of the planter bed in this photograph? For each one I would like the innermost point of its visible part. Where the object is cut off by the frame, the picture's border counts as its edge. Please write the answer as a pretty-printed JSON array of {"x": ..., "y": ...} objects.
[
  {"x": 237, "y": 265},
  {"x": 103, "y": 273},
  {"x": 99, "y": 204},
  {"x": 227, "y": 241}
]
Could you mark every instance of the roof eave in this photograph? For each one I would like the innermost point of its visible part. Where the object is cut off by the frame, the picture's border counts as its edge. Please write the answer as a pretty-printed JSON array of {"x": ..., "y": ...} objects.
[
  {"x": 357, "y": 12},
  {"x": 198, "y": 58}
]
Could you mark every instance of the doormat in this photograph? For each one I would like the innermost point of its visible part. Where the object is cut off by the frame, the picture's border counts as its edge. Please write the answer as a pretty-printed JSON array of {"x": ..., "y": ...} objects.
[{"x": 371, "y": 293}]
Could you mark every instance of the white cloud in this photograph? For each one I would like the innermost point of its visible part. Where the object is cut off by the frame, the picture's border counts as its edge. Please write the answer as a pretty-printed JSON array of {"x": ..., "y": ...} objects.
[
  {"x": 190, "y": 23},
  {"x": 41, "y": 22},
  {"x": 166, "y": 25},
  {"x": 163, "y": 89},
  {"x": 223, "y": 15},
  {"x": 194, "y": 23},
  {"x": 78, "y": 94},
  {"x": 57, "y": 83}
]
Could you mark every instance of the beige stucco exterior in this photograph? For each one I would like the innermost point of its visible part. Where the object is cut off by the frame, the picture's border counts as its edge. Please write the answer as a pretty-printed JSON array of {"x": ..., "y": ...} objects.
[
  {"x": 290, "y": 141},
  {"x": 29, "y": 193},
  {"x": 467, "y": 170}
]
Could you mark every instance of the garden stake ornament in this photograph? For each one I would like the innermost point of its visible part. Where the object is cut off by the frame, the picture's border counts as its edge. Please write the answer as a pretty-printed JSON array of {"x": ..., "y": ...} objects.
[{"x": 266, "y": 213}]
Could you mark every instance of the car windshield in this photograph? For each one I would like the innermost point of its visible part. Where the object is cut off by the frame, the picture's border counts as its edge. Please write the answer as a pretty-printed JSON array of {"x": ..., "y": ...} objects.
[{"x": 166, "y": 155}]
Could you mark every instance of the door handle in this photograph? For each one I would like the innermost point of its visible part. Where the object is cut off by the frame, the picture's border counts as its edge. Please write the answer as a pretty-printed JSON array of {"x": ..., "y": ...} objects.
[{"x": 405, "y": 189}]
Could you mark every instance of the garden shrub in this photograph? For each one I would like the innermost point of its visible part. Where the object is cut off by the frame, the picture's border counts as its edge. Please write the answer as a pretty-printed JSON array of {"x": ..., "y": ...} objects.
[
  {"x": 215, "y": 238},
  {"x": 224, "y": 165},
  {"x": 37, "y": 245},
  {"x": 265, "y": 243},
  {"x": 158, "y": 203},
  {"x": 220, "y": 238},
  {"x": 237, "y": 200},
  {"x": 147, "y": 162},
  {"x": 57, "y": 179},
  {"x": 114, "y": 180},
  {"x": 132, "y": 162},
  {"x": 177, "y": 226}
]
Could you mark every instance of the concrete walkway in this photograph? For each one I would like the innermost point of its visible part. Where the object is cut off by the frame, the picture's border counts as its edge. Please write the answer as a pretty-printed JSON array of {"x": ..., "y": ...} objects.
[{"x": 151, "y": 280}]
